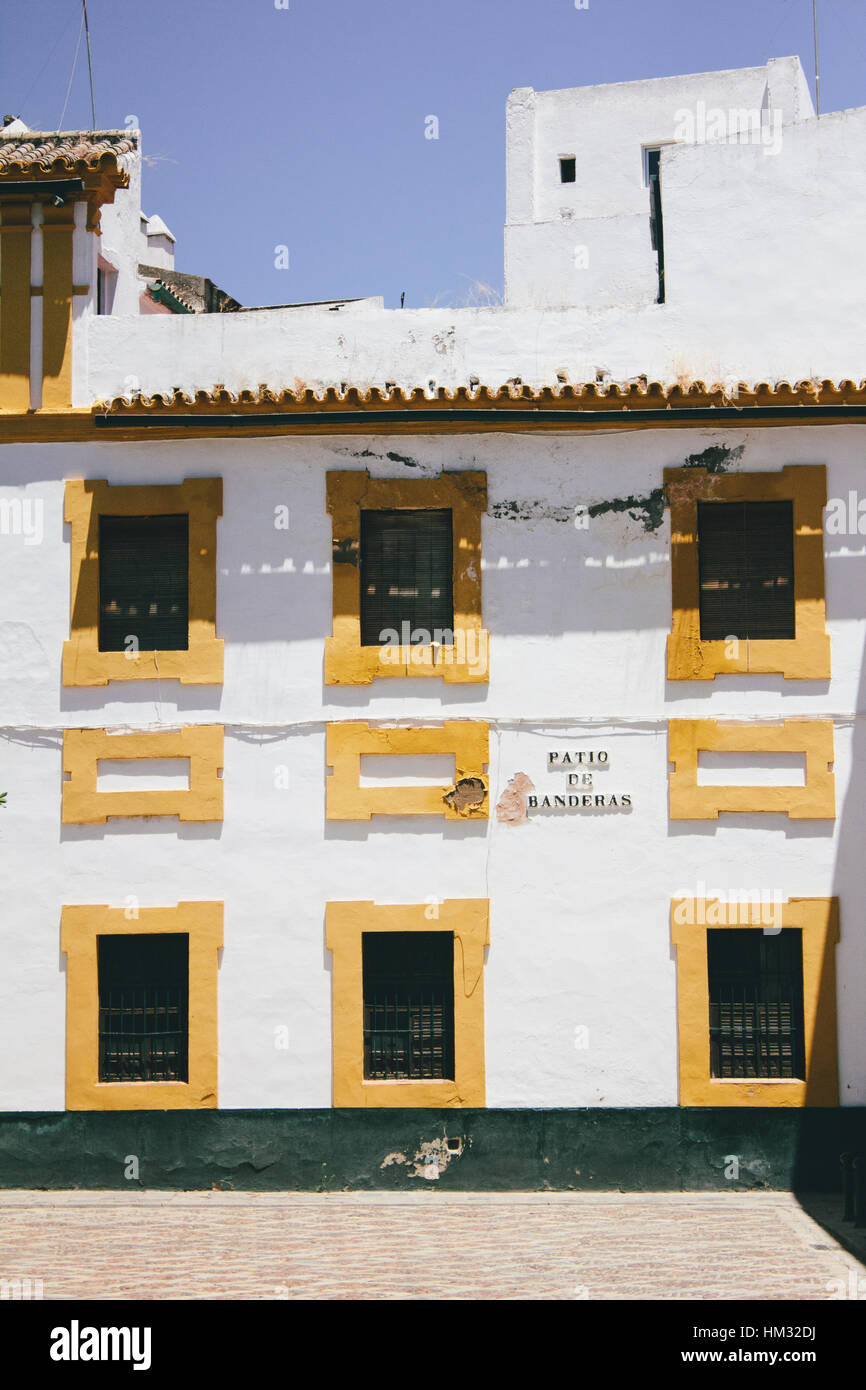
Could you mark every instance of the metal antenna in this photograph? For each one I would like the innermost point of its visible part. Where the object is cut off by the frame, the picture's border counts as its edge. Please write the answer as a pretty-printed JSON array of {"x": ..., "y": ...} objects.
[
  {"x": 817, "y": 78},
  {"x": 89, "y": 67}
]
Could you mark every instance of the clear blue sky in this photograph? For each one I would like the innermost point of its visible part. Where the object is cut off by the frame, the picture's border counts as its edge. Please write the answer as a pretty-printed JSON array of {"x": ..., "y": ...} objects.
[{"x": 305, "y": 126}]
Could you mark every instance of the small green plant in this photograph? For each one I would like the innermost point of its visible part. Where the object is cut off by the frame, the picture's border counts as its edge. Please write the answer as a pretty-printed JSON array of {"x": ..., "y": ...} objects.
[{"x": 2, "y": 798}]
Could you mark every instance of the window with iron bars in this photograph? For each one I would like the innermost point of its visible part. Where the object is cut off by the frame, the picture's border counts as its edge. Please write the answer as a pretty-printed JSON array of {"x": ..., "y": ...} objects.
[
  {"x": 143, "y": 1007},
  {"x": 144, "y": 582},
  {"x": 407, "y": 561},
  {"x": 746, "y": 565},
  {"x": 408, "y": 1005},
  {"x": 756, "y": 1003}
]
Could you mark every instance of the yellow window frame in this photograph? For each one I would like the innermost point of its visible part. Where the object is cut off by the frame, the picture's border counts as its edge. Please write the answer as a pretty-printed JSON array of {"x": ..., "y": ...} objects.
[
  {"x": 81, "y": 926},
  {"x": 346, "y": 923},
  {"x": 804, "y": 657},
  {"x": 818, "y": 919},
  {"x": 89, "y": 499},
  {"x": 466, "y": 660}
]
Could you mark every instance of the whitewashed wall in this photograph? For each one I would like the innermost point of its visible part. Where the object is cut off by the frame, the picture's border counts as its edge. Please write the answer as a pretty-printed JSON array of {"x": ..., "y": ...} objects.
[
  {"x": 606, "y": 209},
  {"x": 763, "y": 263},
  {"x": 579, "y": 903}
]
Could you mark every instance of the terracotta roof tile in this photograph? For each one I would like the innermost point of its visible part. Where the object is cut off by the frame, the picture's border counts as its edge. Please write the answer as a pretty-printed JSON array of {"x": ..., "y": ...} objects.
[
  {"x": 63, "y": 152},
  {"x": 627, "y": 397}
]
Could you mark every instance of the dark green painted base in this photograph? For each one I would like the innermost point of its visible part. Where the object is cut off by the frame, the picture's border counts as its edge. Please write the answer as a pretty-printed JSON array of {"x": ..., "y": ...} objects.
[{"x": 640, "y": 1150}]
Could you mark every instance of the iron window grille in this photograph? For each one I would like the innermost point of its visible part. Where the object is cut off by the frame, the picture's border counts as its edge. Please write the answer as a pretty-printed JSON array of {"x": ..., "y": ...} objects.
[
  {"x": 746, "y": 568},
  {"x": 408, "y": 1006},
  {"x": 144, "y": 582},
  {"x": 144, "y": 1007},
  {"x": 756, "y": 1003},
  {"x": 407, "y": 567}
]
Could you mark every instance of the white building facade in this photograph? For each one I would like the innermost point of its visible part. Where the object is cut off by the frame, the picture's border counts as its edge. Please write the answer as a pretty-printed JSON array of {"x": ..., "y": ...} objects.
[{"x": 443, "y": 727}]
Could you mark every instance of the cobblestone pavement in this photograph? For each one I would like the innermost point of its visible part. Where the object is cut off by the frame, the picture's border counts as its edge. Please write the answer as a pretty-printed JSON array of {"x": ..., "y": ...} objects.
[{"x": 216, "y": 1245}]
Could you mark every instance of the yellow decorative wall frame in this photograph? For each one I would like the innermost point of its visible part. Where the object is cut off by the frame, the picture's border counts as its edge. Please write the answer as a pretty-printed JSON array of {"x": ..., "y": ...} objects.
[
  {"x": 804, "y": 657},
  {"x": 58, "y": 228},
  {"x": 346, "y": 923},
  {"x": 80, "y": 928},
  {"x": 16, "y": 236},
  {"x": 84, "y": 749},
  {"x": 687, "y": 738},
  {"x": 818, "y": 919},
  {"x": 346, "y": 744},
  {"x": 86, "y": 501},
  {"x": 347, "y": 662}
]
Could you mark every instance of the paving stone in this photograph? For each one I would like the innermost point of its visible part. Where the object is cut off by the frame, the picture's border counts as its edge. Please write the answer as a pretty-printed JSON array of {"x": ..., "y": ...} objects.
[{"x": 430, "y": 1245}]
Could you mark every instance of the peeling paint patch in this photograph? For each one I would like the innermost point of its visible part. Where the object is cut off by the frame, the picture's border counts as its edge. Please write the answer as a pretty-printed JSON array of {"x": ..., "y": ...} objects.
[
  {"x": 401, "y": 458},
  {"x": 530, "y": 511},
  {"x": 444, "y": 342},
  {"x": 718, "y": 458},
  {"x": 431, "y": 1157},
  {"x": 648, "y": 510},
  {"x": 467, "y": 796},
  {"x": 372, "y": 454},
  {"x": 511, "y": 806}
]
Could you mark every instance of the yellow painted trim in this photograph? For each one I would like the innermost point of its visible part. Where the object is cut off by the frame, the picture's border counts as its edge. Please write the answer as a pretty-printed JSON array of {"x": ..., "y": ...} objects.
[
  {"x": 86, "y": 501},
  {"x": 807, "y": 655},
  {"x": 813, "y": 737},
  {"x": 83, "y": 749},
  {"x": 347, "y": 743},
  {"x": 57, "y": 231},
  {"x": 16, "y": 233},
  {"x": 467, "y": 660},
  {"x": 818, "y": 919},
  {"x": 346, "y": 922},
  {"x": 80, "y": 927}
]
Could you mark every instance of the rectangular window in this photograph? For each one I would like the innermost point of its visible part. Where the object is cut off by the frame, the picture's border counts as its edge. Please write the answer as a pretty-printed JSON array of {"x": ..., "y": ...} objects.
[
  {"x": 567, "y": 170},
  {"x": 144, "y": 582},
  {"x": 654, "y": 179},
  {"x": 746, "y": 563},
  {"x": 143, "y": 1007},
  {"x": 756, "y": 1003},
  {"x": 407, "y": 562},
  {"x": 408, "y": 1005}
]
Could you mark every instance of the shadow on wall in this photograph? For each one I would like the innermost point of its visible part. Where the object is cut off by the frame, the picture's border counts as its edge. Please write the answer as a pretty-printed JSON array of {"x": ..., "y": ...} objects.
[{"x": 825, "y": 1135}]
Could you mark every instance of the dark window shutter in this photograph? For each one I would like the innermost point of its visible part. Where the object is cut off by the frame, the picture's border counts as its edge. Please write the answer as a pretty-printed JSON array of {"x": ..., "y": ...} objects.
[
  {"x": 756, "y": 1003},
  {"x": 770, "y": 569},
  {"x": 144, "y": 582},
  {"x": 408, "y": 1005},
  {"x": 721, "y": 556},
  {"x": 143, "y": 1007},
  {"x": 746, "y": 569},
  {"x": 407, "y": 563}
]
